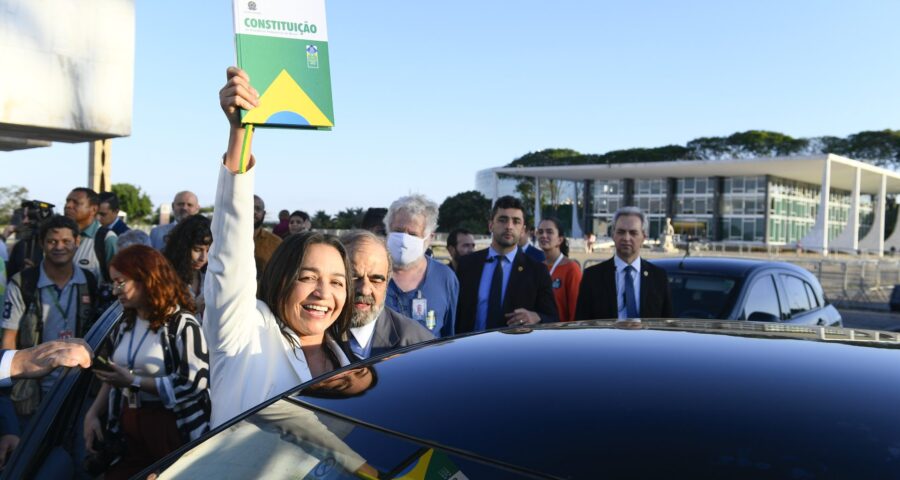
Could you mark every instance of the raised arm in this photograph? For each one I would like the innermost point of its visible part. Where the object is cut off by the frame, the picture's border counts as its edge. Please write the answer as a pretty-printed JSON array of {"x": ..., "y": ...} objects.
[
  {"x": 230, "y": 285},
  {"x": 237, "y": 94}
]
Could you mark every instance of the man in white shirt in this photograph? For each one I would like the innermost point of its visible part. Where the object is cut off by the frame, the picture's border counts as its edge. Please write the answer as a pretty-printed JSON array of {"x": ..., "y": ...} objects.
[{"x": 374, "y": 328}]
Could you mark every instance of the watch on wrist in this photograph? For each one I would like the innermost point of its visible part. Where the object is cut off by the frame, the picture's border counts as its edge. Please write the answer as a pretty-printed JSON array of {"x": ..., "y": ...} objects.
[{"x": 135, "y": 383}]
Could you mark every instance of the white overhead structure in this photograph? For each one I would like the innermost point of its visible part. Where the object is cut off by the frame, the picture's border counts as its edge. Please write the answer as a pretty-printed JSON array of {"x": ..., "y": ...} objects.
[
  {"x": 829, "y": 170},
  {"x": 69, "y": 69}
]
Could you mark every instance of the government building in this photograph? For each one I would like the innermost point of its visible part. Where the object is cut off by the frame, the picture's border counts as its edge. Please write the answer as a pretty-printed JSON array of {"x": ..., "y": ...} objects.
[{"x": 774, "y": 201}]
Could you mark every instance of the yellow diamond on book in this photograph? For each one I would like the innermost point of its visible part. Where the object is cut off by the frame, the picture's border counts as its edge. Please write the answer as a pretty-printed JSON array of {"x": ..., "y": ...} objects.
[{"x": 284, "y": 102}]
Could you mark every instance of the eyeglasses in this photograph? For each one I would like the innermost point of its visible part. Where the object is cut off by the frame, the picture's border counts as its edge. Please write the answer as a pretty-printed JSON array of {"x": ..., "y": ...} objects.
[{"x": 118, "y": 286}]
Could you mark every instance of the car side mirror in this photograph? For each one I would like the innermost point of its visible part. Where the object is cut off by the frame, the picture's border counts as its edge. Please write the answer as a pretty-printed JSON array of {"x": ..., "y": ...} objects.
[{"x": 762, "y": 317}]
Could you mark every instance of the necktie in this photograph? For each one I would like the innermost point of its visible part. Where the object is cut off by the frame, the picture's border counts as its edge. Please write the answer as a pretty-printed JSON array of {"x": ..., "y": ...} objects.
[
  {"x": 356, "y": 348},
  {"x": 631, "y": 310},
  {"x": 495, "y": 297}
]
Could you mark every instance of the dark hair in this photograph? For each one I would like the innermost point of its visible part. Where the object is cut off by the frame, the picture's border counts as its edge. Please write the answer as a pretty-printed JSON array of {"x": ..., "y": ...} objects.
[
  {"x": 452, "y": 236},
  {"x": 188, "y": 233},
  {"x": 162, "y": 286},
  {"x": 58, "y": 222},
  {"x": 283, "y": 269},
  {"x": 564, "y": 246},
  {"x": 507, "y": 201},
  {"x": 373, "y": 220},
  {"x": 111, "y": 199},
  {"x": 300, "y": 213},
  {"x": 92, "y": 196}
]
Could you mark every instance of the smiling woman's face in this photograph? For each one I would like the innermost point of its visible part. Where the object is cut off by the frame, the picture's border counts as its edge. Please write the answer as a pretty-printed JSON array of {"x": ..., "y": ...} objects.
[{"x": 320, "y": 292}]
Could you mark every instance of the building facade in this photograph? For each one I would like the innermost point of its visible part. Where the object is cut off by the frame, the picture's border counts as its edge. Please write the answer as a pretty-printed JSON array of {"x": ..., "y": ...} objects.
[{"x": 763, "y": 201}]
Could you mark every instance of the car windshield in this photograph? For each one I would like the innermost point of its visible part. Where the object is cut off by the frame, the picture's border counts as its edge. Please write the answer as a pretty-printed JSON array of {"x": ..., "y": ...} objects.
[
  {"x": 289, "y": 440},
  {"x": 702, "y": 296}
]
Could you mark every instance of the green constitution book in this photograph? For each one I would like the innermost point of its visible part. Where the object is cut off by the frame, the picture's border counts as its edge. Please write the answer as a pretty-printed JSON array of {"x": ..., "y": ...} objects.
[{"x": 283, "y": 47}]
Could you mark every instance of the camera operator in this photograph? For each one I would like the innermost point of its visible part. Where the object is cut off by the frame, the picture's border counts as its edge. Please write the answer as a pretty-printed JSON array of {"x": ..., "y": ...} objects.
[{"x": 27, "y": 250}]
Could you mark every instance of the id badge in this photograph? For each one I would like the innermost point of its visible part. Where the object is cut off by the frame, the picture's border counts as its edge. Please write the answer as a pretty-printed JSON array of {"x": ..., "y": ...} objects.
[
  {"x": 66, "y": 334},
  {"x": 131, "y": 397},
  {"x": 419, "y": 307}
]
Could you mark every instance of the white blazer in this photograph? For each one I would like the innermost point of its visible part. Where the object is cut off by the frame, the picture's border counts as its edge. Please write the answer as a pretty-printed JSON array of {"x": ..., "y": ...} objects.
[{"x": 250, "y": 360}]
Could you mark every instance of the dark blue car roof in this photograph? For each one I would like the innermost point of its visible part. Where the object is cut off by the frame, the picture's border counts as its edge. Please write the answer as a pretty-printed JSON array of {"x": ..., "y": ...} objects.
[
  {"x": 590, "y": 401},
  {"x": 733, "y": 267}
]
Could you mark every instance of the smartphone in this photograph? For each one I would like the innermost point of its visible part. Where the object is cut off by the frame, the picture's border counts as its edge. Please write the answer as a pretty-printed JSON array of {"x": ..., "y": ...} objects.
[{"x": 101, "y": 363}]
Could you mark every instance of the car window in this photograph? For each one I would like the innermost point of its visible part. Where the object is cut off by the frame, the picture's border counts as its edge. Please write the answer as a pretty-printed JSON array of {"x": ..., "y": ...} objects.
[
  {"x": 702, "y": 296},
  {"x": 287, "y": 440},
  {"x": 762, "y": 300},
  {"x": 811, "y": 294},
  {"x": 797, "y": 299}
]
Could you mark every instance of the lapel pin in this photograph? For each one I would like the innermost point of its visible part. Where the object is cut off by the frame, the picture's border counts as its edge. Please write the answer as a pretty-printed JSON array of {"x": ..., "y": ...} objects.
[
  {"x": 521, "y": 268},
  {"x": 646, "y": 273}
]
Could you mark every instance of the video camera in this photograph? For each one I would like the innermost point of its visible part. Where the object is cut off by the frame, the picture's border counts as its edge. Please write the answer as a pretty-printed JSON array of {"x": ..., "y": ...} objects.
[{"x": 34, "y": 212}]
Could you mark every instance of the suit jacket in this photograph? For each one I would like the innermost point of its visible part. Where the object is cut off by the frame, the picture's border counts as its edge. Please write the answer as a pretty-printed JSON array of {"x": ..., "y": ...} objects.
[
  {"x": 119, "y": 227},
  {"x": 529, "y": 287},
  {"x": 393, "y": 331},
  {"x": 597, "y": 294}
]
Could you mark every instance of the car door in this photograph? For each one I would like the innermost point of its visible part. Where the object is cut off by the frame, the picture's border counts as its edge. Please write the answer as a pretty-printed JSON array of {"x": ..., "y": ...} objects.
[{"x": 49, "y": 444}]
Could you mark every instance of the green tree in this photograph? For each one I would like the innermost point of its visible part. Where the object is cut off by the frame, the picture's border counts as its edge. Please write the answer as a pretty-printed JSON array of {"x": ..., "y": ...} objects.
[
  {"x": 470, "y": 210},
  {"x": 11, "y": 198},
  {"x": 134, "y": 202},
  {"x": 349, "y": 218},
  {"x": 321, "y": 221}
]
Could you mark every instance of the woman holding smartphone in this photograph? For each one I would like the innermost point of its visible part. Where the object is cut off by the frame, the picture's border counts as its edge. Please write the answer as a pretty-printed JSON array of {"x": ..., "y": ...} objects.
[{"x": 154, "y": 389}]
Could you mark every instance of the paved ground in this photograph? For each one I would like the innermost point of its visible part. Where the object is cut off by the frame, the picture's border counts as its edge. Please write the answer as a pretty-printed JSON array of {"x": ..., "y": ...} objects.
[{"x": 871, "y": 320}]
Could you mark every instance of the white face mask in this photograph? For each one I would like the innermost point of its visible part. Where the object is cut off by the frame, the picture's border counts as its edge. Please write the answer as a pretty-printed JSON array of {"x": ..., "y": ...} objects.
[{"x": 405, "y": 248}]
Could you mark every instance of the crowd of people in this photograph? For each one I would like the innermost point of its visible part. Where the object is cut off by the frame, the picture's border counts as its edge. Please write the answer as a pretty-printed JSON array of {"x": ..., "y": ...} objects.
[{"x": 219, "y": 315}]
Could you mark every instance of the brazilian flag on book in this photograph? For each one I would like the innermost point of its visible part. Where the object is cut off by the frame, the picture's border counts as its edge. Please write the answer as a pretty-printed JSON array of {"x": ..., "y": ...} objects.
[{"x": 283, "y": 47}]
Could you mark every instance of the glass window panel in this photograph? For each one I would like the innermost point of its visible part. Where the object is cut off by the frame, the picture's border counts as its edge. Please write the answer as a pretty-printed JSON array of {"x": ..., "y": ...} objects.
[
  {"x": 750, "y": 184},
  {"x": 813, "y": 299},
  {"x": 689, "y": 185},
  {"x": 762, "y": 301},
  {"x": 797, "y": 299},
  {"x": 735, "y": 230},
  {"x": 701, "y": 185},
  {"x": 749, "y": 230}
]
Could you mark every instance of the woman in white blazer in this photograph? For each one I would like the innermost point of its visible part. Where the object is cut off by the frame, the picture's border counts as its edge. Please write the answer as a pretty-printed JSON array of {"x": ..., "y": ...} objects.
[{"x": 265, "y": 342}]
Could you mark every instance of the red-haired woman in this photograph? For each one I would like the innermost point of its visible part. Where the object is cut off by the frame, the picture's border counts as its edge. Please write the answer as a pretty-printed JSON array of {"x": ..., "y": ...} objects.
[{"x": 155, "y": 389}]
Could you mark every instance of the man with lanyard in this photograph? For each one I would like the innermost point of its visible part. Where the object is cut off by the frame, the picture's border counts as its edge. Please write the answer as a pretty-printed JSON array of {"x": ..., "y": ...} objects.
[
  {"x": 421, "y": 288},
  {"x": 52, "y": 301}
]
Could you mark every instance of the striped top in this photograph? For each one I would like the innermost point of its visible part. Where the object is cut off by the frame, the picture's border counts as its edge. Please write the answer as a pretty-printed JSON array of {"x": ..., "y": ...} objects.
[{"x": 183, "y": 388}]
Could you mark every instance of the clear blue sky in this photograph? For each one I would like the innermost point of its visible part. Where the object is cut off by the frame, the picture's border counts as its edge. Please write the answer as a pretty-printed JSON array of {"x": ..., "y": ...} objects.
[{"x": 428, "y": 93}]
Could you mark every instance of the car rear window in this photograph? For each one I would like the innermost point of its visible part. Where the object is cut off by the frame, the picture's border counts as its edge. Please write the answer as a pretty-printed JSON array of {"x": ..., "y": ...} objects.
[{"x": 702, "y": 296}]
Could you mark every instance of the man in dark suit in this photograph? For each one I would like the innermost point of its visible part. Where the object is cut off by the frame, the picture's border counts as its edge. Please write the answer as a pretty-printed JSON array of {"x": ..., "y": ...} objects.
[
  {"x": 625, "y": 286},
  {"x": 375, "y": 329},
  {"x": 502, "y": 286},
  {"x": 108, "y": 213}
]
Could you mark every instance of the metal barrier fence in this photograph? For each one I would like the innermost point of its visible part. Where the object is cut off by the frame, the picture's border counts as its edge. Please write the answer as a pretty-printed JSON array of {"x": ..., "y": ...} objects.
[{"x": 854, "y": 281}]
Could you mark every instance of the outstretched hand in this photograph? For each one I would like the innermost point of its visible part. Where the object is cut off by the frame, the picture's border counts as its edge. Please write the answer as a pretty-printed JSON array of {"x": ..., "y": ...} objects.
[{"x": 37, "y": 361}]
